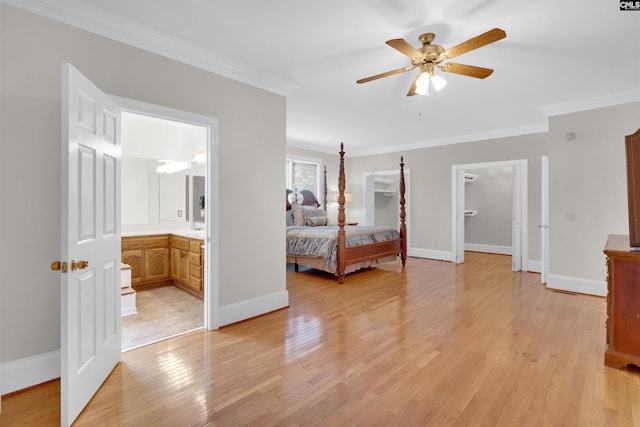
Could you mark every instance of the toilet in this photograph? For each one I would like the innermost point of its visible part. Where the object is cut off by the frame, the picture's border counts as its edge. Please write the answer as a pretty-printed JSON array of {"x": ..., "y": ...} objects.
[{"x": 128, "y": 303}]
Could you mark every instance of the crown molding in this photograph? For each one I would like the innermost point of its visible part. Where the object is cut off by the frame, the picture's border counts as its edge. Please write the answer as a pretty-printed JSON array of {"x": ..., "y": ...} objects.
[
  {"x": 458, "y": 139},
  {"x": 77, "y": 14},
  {"x": 593, "y": 103}
]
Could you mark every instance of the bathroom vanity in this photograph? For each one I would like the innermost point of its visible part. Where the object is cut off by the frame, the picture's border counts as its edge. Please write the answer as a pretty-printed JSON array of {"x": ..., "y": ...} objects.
[
  {"x": 165, "y": 259},
  {"x": 186, "y": 264}
]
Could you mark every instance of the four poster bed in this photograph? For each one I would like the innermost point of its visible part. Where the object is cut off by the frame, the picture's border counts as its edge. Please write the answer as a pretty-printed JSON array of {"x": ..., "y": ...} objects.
[{"x": 343, "y": 248}]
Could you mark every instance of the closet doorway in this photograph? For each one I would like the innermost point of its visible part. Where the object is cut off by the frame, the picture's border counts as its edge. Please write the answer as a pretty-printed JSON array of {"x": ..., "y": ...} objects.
[
  {"x": 168, "y": 193},
  {"x": 461, "y": 175},
  {"x": 381, "y": 199}
]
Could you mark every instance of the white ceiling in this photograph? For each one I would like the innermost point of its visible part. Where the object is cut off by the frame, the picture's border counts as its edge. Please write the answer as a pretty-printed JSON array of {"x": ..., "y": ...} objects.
[{"x": 558, "y": 57}]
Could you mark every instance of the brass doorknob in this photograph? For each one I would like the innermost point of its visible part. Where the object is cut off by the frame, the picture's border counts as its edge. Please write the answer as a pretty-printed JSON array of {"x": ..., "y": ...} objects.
[
  {"x": 59, "y": 265},
  {"x": 79, "y": 265}
]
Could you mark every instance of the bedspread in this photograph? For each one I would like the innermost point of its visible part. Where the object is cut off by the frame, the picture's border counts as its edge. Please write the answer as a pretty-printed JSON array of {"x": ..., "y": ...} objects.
[{"x": 323, "y": 241}]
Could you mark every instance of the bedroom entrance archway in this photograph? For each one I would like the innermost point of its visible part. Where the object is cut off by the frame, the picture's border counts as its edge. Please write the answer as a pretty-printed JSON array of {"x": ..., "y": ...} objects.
[
  {"x": 210, "y": 309},
  {"x": 519, "y": 220}
]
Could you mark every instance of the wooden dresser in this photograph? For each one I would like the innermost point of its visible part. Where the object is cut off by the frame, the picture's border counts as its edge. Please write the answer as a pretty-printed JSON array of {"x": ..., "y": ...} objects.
[{"x": 623, "y": 303}]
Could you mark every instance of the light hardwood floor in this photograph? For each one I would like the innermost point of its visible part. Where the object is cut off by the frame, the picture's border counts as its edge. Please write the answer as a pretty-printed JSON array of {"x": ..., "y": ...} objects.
[{"x": 432, "y": 345}]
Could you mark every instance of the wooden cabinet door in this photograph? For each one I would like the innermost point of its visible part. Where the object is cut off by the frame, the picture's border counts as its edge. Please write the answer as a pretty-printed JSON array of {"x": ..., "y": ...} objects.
[
  {"x": 184, "y": 266},
  {"x": 180, "y": 265},
  {"x": 175, "y": 264},
  {"x": 156, "y": 264},
  {"x": 135, "y": 259}
]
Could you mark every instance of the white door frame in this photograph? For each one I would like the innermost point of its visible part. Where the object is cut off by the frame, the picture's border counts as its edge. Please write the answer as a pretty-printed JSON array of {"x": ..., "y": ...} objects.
[
  {"x": 519, "y": 218},
  {"x": 211, "y": 278},
  {"x": 544, "y": 221},
  {"x": 368, "y": 214}
]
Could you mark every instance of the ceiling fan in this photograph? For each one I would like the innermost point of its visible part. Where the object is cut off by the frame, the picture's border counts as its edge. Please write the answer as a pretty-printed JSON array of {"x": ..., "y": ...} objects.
[{"x": 429, "y": 56}]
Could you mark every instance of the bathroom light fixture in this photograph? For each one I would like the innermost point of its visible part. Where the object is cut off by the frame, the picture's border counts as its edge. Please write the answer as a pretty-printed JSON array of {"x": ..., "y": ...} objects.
[{"x": 170, "y": 166}]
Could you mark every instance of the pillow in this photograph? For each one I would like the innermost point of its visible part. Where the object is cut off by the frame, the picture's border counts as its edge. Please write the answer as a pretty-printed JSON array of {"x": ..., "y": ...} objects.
[
  {"x": 302, "y": 212},
  {"x": 312, "y": 211},
  {"x": 308, "y": 211},
  {"x": 298, "y": 218},
  {"x": 290, "y": 218},
  {"x": 314, "y": 221}
]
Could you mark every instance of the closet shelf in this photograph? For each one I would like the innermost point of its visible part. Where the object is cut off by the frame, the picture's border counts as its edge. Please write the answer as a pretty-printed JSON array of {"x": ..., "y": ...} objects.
[
  {"x": 469, "y": 177},
  {"x": 384, "y": 181},
  {"x": 385, "y": 192}
]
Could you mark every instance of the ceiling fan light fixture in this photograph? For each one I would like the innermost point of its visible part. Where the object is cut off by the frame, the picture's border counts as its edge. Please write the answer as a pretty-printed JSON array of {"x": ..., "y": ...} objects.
[
  {"x": 426, "y": 78},
  {"x": 429, "y": 55},
  {"x": 438, "y": 82},
  {"x": 422, "y": 84}
]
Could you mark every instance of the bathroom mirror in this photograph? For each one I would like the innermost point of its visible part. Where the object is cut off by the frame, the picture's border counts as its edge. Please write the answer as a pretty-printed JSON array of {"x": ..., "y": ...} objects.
[{"x": 148, "y": 197}]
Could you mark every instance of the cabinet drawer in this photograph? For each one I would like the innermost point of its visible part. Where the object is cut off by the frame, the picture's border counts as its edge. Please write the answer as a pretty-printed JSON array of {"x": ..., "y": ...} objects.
[
  {"x": 195, "y": 283},
  {"x": 179, "y": 243},
  {"x": 130, "y": 243},
  {"x": 195, "y": 259},
  {"x": 195, "y": 246}
]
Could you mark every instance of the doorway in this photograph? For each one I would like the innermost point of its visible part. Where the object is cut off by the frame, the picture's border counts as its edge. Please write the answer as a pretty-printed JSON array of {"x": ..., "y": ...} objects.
[
  {"x": 180, "y": 201},
  {"x": 382, "y": 199},
  {"x": 519, "y": 239}
]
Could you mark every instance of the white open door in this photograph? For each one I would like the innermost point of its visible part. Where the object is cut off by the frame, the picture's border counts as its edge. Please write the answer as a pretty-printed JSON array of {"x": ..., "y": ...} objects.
[{"x": 90, "y": 249}]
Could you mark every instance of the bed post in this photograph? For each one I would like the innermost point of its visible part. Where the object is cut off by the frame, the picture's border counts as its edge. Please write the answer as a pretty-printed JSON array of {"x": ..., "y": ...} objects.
[
  {"x": 342, "y": 241},
  {"x": 324, "y": 200},
  {"x": 403, "y": 215}
]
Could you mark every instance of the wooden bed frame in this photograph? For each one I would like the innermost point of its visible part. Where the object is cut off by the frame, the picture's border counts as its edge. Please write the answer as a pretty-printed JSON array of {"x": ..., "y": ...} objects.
[{"x": 372, "y": 251}]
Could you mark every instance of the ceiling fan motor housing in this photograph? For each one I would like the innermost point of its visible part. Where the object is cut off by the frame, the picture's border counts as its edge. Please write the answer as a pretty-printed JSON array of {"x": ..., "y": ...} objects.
[{"x": 430, "y": 53}]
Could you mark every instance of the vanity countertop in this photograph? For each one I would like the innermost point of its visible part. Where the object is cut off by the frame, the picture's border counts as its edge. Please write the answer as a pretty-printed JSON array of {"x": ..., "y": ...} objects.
[{"x": 192, "y": 234}]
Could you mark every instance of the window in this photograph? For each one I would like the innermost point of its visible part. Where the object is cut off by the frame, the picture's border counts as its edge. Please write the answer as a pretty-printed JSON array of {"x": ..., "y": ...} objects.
[{"x": 303, "y": 175}]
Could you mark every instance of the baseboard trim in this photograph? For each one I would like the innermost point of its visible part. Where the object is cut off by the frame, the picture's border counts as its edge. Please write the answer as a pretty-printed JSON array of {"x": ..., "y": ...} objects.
[
  {"x": 244, "y": 310},
  {"x": 577, "y": 284},
  {"x": 492, "y": 249},
  {"x": 22, "y": 373},
  {"x": 534, "y": 266},
  {"x": 431, "y": 254}
]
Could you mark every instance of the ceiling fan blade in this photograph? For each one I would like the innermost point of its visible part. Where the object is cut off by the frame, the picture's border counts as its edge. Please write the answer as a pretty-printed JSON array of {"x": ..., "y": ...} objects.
[
  {"x": 403, "y": 46},
  {"x": 467, "y": 70},
  {"x": 476, "y": 42},
  {"x": 388, "y": 73},
  {"x": 412, "y": 89}
]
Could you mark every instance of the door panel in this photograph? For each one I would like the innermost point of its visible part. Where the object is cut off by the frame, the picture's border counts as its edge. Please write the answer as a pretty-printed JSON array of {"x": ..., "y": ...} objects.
[{"x": 90, "y": 293}]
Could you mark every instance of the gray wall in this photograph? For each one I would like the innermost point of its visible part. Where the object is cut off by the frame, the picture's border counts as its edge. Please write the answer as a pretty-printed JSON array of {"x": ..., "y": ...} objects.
[
  {"x": 492, "y": 196},
  {"x": 588, "y": 182},
  {"x": 430, "y": 199},
  {"x": 251, "y": 134}
]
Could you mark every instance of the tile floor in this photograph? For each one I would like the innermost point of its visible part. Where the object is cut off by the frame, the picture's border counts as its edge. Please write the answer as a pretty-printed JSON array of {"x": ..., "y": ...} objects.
[{"x": 162, "y": 313}]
